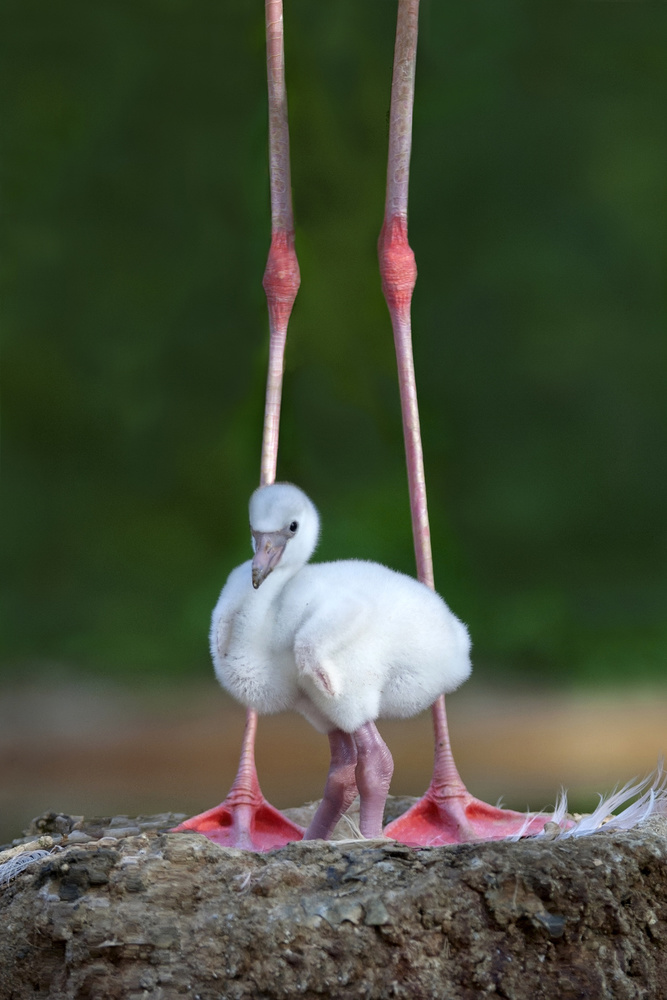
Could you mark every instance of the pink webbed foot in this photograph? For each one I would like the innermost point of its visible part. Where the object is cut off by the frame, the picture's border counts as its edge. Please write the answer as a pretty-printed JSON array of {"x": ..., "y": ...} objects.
[
  {"x": 458, "y": 818},
  {"x": 245, "y": 819},
  {"x": 255, "y": 826},
  {"x": 449, "y": 814}
]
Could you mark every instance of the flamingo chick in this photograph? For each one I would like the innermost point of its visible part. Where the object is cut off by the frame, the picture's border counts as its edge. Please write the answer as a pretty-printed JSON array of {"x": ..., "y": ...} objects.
[{"x": 343, "y": 643}]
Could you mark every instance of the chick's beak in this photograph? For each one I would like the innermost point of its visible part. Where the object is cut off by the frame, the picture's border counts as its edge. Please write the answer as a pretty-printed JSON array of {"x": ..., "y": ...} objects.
[{"x": 269, "y": 547}]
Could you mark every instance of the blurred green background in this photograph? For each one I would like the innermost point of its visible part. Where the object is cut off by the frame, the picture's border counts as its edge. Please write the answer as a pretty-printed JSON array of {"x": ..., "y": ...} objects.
[{"x": 136, "y": 228}]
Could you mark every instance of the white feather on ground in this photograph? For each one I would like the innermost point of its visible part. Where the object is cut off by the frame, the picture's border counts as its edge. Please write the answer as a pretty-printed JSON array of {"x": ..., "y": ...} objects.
[
  {"x": 10, "y": 869},
  {"x": 638, "y": 800}
]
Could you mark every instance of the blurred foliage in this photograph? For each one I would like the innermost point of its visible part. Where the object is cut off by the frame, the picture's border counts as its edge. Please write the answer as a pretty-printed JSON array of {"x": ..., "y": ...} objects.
[{"x": 136, "y": 229}]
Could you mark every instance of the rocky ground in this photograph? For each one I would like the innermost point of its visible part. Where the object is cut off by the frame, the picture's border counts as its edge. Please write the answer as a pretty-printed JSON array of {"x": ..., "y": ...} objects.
[{"x": 120, "y": 908}]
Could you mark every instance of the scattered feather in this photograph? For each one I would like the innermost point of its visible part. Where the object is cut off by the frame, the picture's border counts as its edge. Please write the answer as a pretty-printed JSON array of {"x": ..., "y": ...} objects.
[
  {"x": 637, "y": 800},
  {"x": 356, "y": 832},
  {"x": 10, "y": 869}
]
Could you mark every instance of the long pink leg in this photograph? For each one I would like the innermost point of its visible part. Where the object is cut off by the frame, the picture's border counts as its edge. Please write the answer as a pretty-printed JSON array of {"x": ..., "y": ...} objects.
[
  {"x": 447, "y": 813},
  {"x": 245, "y": 818},
  {"x": 281, "y": 277}
]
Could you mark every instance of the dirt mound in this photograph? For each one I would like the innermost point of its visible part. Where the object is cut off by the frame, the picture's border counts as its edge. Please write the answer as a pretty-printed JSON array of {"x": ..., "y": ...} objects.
[{"x": 122, "y": 909}]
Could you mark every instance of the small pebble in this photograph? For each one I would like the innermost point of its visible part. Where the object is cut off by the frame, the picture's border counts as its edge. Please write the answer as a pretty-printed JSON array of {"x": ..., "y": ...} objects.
[
  {"x": 123, "y": 831},
  {"x": 78, "y": 837}
]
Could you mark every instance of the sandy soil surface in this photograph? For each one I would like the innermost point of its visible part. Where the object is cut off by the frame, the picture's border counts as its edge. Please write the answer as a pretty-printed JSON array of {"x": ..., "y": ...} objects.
[{"x": 103, "y": 750}]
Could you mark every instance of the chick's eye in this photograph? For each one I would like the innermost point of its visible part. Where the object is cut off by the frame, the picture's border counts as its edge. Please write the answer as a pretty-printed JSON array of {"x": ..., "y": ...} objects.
[{"x": 293, "y": 526}]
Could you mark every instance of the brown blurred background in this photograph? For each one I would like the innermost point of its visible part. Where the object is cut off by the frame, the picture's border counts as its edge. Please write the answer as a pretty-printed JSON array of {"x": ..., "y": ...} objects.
[{"x": 103, "y": 750}]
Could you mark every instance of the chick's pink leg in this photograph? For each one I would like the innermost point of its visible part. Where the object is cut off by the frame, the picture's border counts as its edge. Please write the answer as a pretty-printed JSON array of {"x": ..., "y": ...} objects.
[
  {"x": 374, "y": 770},
  {"x": 340, "y": 789}
]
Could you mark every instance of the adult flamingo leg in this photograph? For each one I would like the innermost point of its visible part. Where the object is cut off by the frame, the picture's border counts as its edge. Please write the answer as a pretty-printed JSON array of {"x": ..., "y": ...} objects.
[
  {"x": 447, "y": 813},
  {"x": 245, "y": 819}
]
